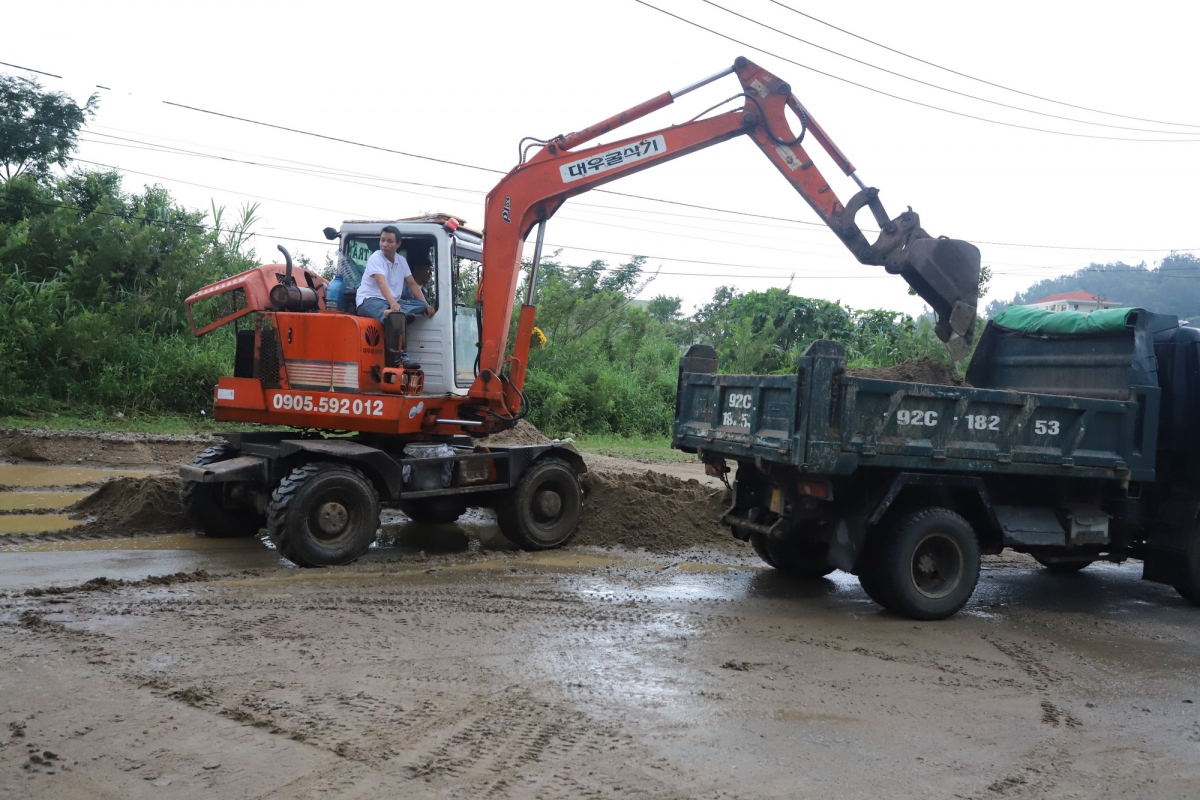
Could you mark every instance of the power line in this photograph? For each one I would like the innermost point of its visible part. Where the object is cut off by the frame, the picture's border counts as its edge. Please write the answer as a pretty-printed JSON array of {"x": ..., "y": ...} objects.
[
  {"x": 979, "y": 80},
  {"x": 899, "y": 97},
  {"x": 937, "y": 86},
  {"x": 576, "y": 203},
  {"x": 337, "y": 211},
  {"x": 334, "y": 138},
  {"x": 28, "y": 69}
]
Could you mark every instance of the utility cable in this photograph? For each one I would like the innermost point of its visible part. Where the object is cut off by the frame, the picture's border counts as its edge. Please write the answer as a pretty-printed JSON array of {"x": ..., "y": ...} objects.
[
  {"x": 324, "y": 172},
  {"x": 937, "y": 86},
  {"x": 979, "y": 80},
  {"x": 899, "y": 97}
]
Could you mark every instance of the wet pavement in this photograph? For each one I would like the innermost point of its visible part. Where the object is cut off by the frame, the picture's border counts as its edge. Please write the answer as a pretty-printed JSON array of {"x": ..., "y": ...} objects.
[
  {"x": 445, "y": 663},
  {"x": 584, "y": 672}
]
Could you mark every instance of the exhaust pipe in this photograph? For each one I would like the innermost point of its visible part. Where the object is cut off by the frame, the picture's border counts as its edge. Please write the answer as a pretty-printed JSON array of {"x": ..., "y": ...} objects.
[{"x": 287, "y": 296}]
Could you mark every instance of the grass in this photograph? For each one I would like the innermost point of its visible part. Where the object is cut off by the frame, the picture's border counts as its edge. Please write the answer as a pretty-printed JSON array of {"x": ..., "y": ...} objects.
[{"x": 636, "y": 447}]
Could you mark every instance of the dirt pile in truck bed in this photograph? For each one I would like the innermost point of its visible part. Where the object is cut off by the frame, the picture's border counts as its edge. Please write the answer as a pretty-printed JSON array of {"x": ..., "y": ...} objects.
[
  {"x": 133, "y": 504},
  {"x": 652, "y": 510},
  {"x": 919, "y": 370}
]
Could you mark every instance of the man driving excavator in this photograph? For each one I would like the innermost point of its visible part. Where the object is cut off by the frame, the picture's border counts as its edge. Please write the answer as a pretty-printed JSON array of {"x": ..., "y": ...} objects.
[{"x": 385, "y": 278}]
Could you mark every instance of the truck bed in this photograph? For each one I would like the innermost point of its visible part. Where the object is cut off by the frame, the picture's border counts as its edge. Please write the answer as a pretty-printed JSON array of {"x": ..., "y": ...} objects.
[{"x": 823, "y": 421}]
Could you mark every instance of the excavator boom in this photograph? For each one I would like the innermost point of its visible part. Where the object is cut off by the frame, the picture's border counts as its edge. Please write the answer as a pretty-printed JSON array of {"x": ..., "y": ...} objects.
[{"x": 944, "y": 272}]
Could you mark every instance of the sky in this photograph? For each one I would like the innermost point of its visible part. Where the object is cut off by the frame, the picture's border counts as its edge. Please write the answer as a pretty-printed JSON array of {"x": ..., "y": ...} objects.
[{"x": 463, "y": 82}]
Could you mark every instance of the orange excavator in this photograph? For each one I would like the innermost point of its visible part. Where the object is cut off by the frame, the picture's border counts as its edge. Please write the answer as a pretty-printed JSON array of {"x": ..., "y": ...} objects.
[{"x": 417, "y": 432}]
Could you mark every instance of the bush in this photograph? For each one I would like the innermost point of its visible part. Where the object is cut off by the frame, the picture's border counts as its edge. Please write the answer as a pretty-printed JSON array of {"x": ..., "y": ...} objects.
[{"x": 92, "y": 283}]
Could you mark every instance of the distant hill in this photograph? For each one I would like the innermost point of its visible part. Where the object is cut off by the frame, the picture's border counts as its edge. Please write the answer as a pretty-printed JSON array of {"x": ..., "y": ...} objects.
[{"x": 1172, "y": 288}]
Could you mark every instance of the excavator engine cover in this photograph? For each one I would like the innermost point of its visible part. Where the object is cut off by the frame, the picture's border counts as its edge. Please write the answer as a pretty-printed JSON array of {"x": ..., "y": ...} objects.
[{"x": 945, "y": 273}]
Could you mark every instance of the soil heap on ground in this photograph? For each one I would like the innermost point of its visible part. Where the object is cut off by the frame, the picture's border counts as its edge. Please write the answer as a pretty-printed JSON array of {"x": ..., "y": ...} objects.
[
  {"x": 134, "y": 504},
  {"x": 651, "y": 510},
  {"x": 918, "y": 370},
  {"x": 523, "y": 433}
]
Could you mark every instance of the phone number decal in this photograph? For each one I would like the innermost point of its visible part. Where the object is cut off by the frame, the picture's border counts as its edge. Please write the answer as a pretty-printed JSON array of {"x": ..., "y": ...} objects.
[{"x": 357, "y": 406}]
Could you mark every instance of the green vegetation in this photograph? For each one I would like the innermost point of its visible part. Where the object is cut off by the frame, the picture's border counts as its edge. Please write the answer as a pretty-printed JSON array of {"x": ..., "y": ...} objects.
[
  {"x": 1171, "y": 288},
  {"x": 92, "y": 283}
]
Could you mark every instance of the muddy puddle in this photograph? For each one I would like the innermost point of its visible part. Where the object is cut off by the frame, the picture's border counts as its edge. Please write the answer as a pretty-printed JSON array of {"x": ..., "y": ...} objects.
[
  {"x": 28, "y": 501},
  {"x": 35, "y": 523},
  {"x": 27, "y": 475}
]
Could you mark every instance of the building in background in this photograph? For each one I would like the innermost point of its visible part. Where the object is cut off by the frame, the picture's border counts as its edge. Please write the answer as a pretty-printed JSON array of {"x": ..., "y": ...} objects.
[{"x": 1073, "y": 301}]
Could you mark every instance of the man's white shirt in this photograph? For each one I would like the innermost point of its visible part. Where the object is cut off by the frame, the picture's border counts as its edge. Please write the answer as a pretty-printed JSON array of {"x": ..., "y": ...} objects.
[{"x": 394, "y": 272}]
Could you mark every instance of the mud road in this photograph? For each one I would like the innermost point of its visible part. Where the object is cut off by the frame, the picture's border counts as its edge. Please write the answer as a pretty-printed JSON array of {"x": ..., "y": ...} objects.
[{"x": 446, "y": 664}]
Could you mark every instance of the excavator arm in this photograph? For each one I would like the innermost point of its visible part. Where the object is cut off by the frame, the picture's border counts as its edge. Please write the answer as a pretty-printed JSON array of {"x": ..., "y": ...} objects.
[{"x": 944, "y": 272}]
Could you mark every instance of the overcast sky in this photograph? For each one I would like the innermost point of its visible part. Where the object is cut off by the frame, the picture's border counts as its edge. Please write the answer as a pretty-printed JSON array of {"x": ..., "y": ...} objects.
[{"x": 465, "y": 81}]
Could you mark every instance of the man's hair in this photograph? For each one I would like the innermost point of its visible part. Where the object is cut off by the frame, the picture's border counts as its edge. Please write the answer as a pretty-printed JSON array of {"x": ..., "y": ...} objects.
[
  {"x": 393, "y": 230},
  {"x": 420, "y": 259}
]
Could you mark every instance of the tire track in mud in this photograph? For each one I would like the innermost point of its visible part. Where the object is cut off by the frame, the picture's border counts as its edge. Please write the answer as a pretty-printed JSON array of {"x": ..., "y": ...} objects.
[{"x": 464, "y": 731}]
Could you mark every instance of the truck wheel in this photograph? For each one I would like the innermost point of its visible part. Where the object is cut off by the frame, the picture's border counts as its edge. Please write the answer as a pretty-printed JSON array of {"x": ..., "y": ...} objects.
[
  {"x": 1189, "y": 585},
  {"x": 323, "y": 514},
  {"x": 434, "y": 510},
  {"x": 543, "y": 511},
  {"x": 1065, "y": 566},
  {"x": 759, "y": 542},
  {"x": 205, "y": 503},
  {"x": 792, "y": 558},
  {"x": 927, "y": 568}
]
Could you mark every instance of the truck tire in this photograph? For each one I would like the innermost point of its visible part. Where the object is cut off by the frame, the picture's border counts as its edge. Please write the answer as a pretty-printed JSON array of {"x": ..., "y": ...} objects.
[
  {"x": 1188, "y": 585},
  {"x": 926, "y": 567},
  {"x": 323, "y": 515},
  {"x": 434, "y": 510},
  {"x": 759, "y": 542},
  {"x": 1064, "y": 566},
  {"x": 791, "y": 558},
  {"x": 543, "y": 511},
  {"x": 205, "y": 503}
]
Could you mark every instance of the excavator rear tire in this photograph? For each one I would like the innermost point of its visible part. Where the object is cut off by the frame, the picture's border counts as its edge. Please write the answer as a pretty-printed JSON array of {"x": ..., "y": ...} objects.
[
  {"x": 543, "y": 511},
  {"x": 323, "y": 514},
  {"x": 205, "y": 503}
]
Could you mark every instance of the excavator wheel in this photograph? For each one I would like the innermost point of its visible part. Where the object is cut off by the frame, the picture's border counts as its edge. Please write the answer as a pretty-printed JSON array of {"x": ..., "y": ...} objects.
[
  {"x": 323, "y": 514},
  {"x": 205, "y": 503},
  {"x": 543, "y": 511}
]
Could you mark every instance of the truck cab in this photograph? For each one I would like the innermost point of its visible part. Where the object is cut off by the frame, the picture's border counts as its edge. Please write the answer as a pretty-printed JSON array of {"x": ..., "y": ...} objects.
[{"x": 446, "y": 344}]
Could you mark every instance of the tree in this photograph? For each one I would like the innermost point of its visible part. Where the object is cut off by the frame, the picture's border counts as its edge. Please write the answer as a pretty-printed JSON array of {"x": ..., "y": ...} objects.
[{"x": 37, "y": 129}]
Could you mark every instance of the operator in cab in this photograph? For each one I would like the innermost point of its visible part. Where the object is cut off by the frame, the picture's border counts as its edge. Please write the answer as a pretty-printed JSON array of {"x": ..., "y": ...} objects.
[
  {"x": 384, "y": 281},
  {"x": 422, "y": 272}
]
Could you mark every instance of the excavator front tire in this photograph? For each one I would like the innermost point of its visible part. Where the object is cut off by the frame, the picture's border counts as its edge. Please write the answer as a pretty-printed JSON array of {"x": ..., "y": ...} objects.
[{"x": 323, "y": 514}]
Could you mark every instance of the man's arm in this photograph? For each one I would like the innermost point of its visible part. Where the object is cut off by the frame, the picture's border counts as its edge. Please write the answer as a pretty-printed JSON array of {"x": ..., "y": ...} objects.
[
  {"x": 386, "y": 291},
  {"x": 414, "y": 288}
]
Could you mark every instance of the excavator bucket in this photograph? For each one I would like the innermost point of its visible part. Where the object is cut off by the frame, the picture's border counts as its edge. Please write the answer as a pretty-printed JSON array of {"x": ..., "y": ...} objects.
[{"x": 945, "y": 273}]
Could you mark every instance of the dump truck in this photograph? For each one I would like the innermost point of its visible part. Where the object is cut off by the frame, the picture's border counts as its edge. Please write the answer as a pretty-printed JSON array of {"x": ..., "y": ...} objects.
[
  {"x": 365, "y": 430},
  {"x": 1074, "y": 441}
]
